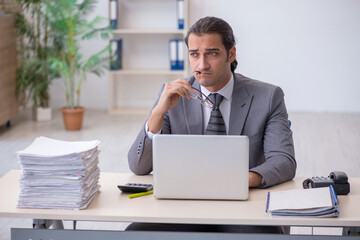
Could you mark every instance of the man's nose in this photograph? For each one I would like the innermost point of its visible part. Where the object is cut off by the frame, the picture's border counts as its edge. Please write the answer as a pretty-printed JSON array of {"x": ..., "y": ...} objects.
[{"x": 203, "y": 63}]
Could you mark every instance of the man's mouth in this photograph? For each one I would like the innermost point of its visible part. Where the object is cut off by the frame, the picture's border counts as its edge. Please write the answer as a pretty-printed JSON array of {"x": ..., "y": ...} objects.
[{"x": 197, "y": 72}]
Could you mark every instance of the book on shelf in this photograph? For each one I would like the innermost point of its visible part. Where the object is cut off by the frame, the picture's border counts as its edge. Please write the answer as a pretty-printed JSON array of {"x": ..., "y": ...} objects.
[
  {"x": 180, "y": 14},
  {"x": 114, "y": 14},
  {"x": 314, "y": 202},
  {"x": 116, "y": 54},
  {"x": 176, "y": 54}
]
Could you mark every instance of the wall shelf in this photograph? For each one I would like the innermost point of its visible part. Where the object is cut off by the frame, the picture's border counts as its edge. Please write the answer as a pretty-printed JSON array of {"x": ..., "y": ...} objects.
[
  {"x": 149, "y": 31},
  {"x": 145, "y": 27},
  {"x": 148, "y": 72}
]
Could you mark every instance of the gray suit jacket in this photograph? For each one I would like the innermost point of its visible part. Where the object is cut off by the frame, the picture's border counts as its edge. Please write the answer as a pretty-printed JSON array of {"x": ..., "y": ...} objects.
[{"x": 257, "y": 111}]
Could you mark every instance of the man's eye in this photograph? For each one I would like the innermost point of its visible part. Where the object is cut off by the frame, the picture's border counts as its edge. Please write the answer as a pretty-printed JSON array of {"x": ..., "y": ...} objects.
[
  {"x": 212, "y": 53},
  {"x": 194, "y": 54}
]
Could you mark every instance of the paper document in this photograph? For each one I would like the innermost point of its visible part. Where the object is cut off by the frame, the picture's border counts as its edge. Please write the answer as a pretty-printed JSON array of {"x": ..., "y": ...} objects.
[
  {"x": 47, "y": 147},
  {"x": 58, "y": 174},
  {"x": 318, "y": 202}
]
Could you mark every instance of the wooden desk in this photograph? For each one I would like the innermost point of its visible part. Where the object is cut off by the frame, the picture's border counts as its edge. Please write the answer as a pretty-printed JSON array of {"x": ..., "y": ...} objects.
[{"x": 112, "y": 205}]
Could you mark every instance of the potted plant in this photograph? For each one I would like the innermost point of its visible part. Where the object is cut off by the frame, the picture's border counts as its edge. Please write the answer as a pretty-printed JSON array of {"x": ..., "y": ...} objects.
[
  {"x": 34, "y": 75},
  {"x": 70, "y": 27}
]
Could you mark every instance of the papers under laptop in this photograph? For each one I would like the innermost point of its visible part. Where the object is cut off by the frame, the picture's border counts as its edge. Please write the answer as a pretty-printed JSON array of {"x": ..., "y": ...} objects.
[{"x": 201, "y": 167}]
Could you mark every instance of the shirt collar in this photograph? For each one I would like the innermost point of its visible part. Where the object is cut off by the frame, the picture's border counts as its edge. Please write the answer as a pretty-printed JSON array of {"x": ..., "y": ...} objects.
[{"x": 226, "y": 91}]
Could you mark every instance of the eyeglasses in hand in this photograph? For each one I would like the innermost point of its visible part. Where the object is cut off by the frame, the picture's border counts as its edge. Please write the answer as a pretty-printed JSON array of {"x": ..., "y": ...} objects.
[{"x": 204, "y": 100}]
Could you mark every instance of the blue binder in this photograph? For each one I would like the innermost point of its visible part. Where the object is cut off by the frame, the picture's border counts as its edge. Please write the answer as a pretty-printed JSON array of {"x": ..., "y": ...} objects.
[
  {"x": 114, "y": 13},
  {"x": 116, "y": 54},
  {"x": 180, "y": 13},
  {"x": 173, "y": 54},
  {"x": 180, "y": 54}
]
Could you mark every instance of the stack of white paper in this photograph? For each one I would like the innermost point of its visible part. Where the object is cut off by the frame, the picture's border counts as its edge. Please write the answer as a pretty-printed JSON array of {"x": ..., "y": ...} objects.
[
  {"x": 314, "y": 202},
  {"x": 58, "y": 174}
]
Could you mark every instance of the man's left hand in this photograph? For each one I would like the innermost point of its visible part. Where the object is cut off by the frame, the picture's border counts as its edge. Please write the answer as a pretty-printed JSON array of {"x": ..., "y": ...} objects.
[{"x": 255, "y": 179}]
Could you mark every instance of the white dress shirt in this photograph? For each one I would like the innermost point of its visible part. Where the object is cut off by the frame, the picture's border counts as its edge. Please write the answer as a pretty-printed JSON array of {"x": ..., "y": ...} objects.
[{"x": 225, "y": 105}]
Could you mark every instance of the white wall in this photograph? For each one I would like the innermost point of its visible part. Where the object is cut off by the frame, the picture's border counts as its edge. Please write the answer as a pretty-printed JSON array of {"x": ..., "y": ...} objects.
[{"x": 311, "y": 48}]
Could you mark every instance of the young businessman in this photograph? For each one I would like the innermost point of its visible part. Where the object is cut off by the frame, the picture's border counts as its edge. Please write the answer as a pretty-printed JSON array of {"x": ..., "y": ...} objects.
[{"x": 248, "y": 107}]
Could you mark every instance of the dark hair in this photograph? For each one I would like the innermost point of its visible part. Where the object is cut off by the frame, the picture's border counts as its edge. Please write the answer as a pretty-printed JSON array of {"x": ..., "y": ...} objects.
[{"x": 210, "y": 25}]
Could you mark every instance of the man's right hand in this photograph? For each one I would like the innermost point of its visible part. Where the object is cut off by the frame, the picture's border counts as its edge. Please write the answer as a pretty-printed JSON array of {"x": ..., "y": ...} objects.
[{"x": 168, "y": 99}]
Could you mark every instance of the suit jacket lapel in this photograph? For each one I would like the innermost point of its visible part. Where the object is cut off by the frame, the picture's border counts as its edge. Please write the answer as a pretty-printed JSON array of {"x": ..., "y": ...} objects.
[
  {"x": 193, "y": 112},
  {"x": 240, "y": 106}
]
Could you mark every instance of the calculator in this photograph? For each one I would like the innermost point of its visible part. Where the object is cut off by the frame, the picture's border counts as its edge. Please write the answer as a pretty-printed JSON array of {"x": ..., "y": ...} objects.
[{"x": 135, "y": 187}]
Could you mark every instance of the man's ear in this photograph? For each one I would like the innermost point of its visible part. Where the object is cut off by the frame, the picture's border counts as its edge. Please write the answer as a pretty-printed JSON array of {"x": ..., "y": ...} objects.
[{"x": 232, "y": 54}]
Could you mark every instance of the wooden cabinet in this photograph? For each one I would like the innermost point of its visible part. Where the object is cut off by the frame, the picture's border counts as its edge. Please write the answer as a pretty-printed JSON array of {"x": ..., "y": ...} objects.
[{"x": 8, "y": 103}]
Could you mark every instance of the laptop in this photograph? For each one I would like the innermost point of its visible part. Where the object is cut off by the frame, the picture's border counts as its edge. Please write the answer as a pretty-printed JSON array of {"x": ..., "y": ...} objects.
[{"x": 201, "y": 167}]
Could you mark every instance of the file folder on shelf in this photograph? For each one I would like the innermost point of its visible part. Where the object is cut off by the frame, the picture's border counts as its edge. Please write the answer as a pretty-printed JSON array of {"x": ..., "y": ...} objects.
[
  {"x": 173, "y": 54},
  {"x": 176, "y": 50},
  {"x": 114, "y": 13},
  {"x": 116, "y": 54},
  {"x": 180, "y": 13},
  {"x": 180, "y": 54},
  {"x": 314, "y": 202}
]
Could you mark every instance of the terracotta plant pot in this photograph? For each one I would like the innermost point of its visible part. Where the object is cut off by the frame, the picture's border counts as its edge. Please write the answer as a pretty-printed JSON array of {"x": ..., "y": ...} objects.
[{"x": 73, "y": 118}]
